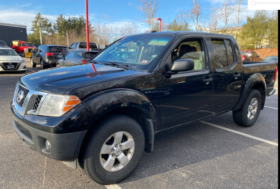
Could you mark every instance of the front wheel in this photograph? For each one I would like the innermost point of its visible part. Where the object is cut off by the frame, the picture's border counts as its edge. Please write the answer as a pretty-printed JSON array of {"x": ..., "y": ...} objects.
[
  {"x": 114, "y": 150},
  {"x": 250, "y": 111}
]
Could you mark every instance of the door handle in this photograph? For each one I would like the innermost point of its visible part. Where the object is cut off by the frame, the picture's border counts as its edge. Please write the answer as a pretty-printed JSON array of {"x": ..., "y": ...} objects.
[
  {"x": 208, "y": 79},
  {"x": 236, "y": 75}
]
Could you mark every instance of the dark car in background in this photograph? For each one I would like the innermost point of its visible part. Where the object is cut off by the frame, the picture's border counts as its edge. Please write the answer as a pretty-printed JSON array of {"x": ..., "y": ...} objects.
[
  {"x": 48, "y": 55},
  {"x": 248, "y": 55},
  {"x": 77, "y": 57},
  {"x": 82, "y": 45}
]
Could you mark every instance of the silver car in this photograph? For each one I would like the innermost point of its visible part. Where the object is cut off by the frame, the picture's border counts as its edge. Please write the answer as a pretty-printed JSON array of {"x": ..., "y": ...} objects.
[{"x": 10, "y": 61}]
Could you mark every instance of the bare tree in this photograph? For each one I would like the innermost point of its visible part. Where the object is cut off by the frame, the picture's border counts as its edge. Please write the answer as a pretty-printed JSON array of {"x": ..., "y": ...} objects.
[
  {"x": 238, "y": 10},
  {"x": 149, "y": 9},
  {"x": 194, "y": 14},
  {"x": 226, "y": 11}
]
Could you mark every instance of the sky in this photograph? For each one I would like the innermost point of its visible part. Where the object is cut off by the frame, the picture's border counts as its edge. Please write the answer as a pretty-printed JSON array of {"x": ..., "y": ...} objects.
[{"x": 116, "y": 12}]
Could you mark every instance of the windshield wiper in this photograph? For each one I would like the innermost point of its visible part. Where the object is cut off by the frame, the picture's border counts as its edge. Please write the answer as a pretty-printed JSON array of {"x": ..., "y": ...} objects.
[
  {"x": 124, "y": 66},
  {"x": 93, "y": 61}
]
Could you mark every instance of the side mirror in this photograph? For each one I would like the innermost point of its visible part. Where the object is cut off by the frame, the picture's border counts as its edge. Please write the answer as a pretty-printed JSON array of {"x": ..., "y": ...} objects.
[{"x": 181, "y": 65}]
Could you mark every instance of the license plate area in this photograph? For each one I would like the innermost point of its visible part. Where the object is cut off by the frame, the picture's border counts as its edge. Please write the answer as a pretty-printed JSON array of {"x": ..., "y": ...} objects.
[
  {"x": 10, "y": 66},
  {"x": 60, "y": 56}
]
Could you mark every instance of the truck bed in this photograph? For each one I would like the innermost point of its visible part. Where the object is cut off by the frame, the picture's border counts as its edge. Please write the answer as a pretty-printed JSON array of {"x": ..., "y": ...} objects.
[{"x": 267, "y": 69}]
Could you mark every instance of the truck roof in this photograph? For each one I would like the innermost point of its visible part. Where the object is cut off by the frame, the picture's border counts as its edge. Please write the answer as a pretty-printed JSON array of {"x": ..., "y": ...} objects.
[{"x": 184, "y": 33}]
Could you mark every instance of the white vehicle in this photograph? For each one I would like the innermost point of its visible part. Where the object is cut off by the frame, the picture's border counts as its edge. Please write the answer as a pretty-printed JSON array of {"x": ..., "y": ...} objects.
[{"x": 10, "y": 61}]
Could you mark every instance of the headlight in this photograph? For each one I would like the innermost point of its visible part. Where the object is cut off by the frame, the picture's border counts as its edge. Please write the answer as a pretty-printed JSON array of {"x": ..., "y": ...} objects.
[
  {"x": 22, "y": 61},
  {"x": 57, "y": 105}
]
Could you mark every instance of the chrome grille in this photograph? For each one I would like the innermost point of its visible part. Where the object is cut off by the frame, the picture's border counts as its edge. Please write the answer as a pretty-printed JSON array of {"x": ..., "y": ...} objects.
[
  {"x": 37, "y": 102},
  {"x": 31, "y": 102},
  {"x": 6, "y": 64}
]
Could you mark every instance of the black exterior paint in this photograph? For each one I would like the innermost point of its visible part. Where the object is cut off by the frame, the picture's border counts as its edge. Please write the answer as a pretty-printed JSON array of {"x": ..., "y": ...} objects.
[
  {"x": 10, "y": 33},
  {"x": 165, "y": 100}
]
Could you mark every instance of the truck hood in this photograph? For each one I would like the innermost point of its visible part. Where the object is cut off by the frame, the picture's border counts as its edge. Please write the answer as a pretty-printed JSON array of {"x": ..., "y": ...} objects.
[
  {"x": 65, "y": 79},
  {"x": 10, "y": 58}
]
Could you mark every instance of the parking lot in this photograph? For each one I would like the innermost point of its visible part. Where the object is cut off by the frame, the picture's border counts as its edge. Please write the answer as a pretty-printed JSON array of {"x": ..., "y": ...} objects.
[{"x": 212, "y": 153}]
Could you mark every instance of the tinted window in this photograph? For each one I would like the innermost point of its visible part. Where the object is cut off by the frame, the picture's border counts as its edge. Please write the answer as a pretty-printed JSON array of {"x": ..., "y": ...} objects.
[
  {"x": 229, "y": 52},
  {"x": 57, "y": 49},
  {"x": 191, "y": 49},
  {"x": 92, "y": 46},
  {"x": 83, "y": 45},
  {"x": 219, "y": 49},
  {"x": 89, "y": 55}
]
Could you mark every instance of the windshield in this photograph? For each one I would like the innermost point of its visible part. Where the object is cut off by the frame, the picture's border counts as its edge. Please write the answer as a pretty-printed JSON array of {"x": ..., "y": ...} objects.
[
  {"x": 27, "y": 45},
  {"x": 138, "y": 52},
  {"x": 3, "y": 43},
  {"x": 8, "y": 52}
]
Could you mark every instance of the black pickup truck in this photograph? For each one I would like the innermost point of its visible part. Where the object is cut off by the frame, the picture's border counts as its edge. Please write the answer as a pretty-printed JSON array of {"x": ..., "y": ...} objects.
[{"x": 103, "y": 115}]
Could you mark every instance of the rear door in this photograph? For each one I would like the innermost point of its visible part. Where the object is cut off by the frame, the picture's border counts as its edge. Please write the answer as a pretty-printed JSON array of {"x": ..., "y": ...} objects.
[{"x": 227, "y": 75}]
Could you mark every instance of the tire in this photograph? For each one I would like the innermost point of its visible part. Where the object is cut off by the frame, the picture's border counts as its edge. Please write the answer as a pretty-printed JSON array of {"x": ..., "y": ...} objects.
[
  {"x": 93, "y": 162},
  {"x": 33, "y": 64},
  {"x": 23, "y": 55},
  {"x": 43, "y": 66},
  {"x": 242, "y": 117}
]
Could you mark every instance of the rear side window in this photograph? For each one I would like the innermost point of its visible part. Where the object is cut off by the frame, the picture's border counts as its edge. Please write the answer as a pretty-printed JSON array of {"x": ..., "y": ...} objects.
[
  {"x": 92, "y": 46},
  {"x": 83, "y": 45},
  {"x": 229, "y": 52},
  {"x": 219, "y": 49},
  {"x": 58, "y": 49},
  {"x": 89, "y": 55}
]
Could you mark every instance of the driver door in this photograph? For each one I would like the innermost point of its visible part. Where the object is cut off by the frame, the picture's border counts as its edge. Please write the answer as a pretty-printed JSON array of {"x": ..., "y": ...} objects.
[{"x": 186, "y": 96}]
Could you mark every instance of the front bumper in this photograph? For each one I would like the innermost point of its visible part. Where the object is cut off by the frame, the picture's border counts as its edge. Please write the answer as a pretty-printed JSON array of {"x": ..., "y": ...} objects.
[{"x": 64, "y": 147}]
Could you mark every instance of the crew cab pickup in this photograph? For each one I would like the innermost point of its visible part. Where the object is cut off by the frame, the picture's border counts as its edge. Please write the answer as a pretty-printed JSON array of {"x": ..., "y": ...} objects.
[{"x": 103, "y": 115}]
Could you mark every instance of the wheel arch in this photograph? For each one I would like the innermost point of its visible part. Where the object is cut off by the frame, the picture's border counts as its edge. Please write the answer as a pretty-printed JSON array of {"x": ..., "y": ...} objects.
[
  {"x": 255, "y": 81},
  {"x": 127, "y": 102}
]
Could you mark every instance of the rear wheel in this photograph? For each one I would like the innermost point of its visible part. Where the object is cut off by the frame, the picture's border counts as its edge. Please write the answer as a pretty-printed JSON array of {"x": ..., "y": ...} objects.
[
  {"x": 250, "y": 111},
  {"x": 114, "y": 150},
  {"x": 32, "y": 63},
  {"x": 43, "y": 66}
]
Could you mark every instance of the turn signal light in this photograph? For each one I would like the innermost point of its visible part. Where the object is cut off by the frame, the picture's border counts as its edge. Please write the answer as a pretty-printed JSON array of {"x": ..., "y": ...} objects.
[
  {"x": 84, "y": 61},
  {"x": 70, "y": 103}
]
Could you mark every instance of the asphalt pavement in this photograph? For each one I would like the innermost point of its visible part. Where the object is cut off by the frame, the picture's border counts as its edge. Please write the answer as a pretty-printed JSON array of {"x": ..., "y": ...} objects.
[{"x": 214, "y": 153}]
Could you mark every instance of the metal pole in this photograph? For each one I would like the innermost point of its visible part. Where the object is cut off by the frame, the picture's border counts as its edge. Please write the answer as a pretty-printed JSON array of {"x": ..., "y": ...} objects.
[
  {"x": 40, "y": 30},
  {"x": 159, "y": 27},
  {"x": 87, "y": 30}
]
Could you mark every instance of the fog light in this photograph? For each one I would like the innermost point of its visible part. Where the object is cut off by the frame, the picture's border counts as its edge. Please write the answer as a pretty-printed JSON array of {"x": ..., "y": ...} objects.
[{"x": 48, "y": 145}]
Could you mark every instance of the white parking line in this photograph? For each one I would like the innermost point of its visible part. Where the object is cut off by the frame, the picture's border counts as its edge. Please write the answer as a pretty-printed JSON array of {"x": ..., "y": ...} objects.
[
  {"x": 240, "y": 133},
  {"x": 271, "y": 107},
  {"x": 113, "y": 186}
]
